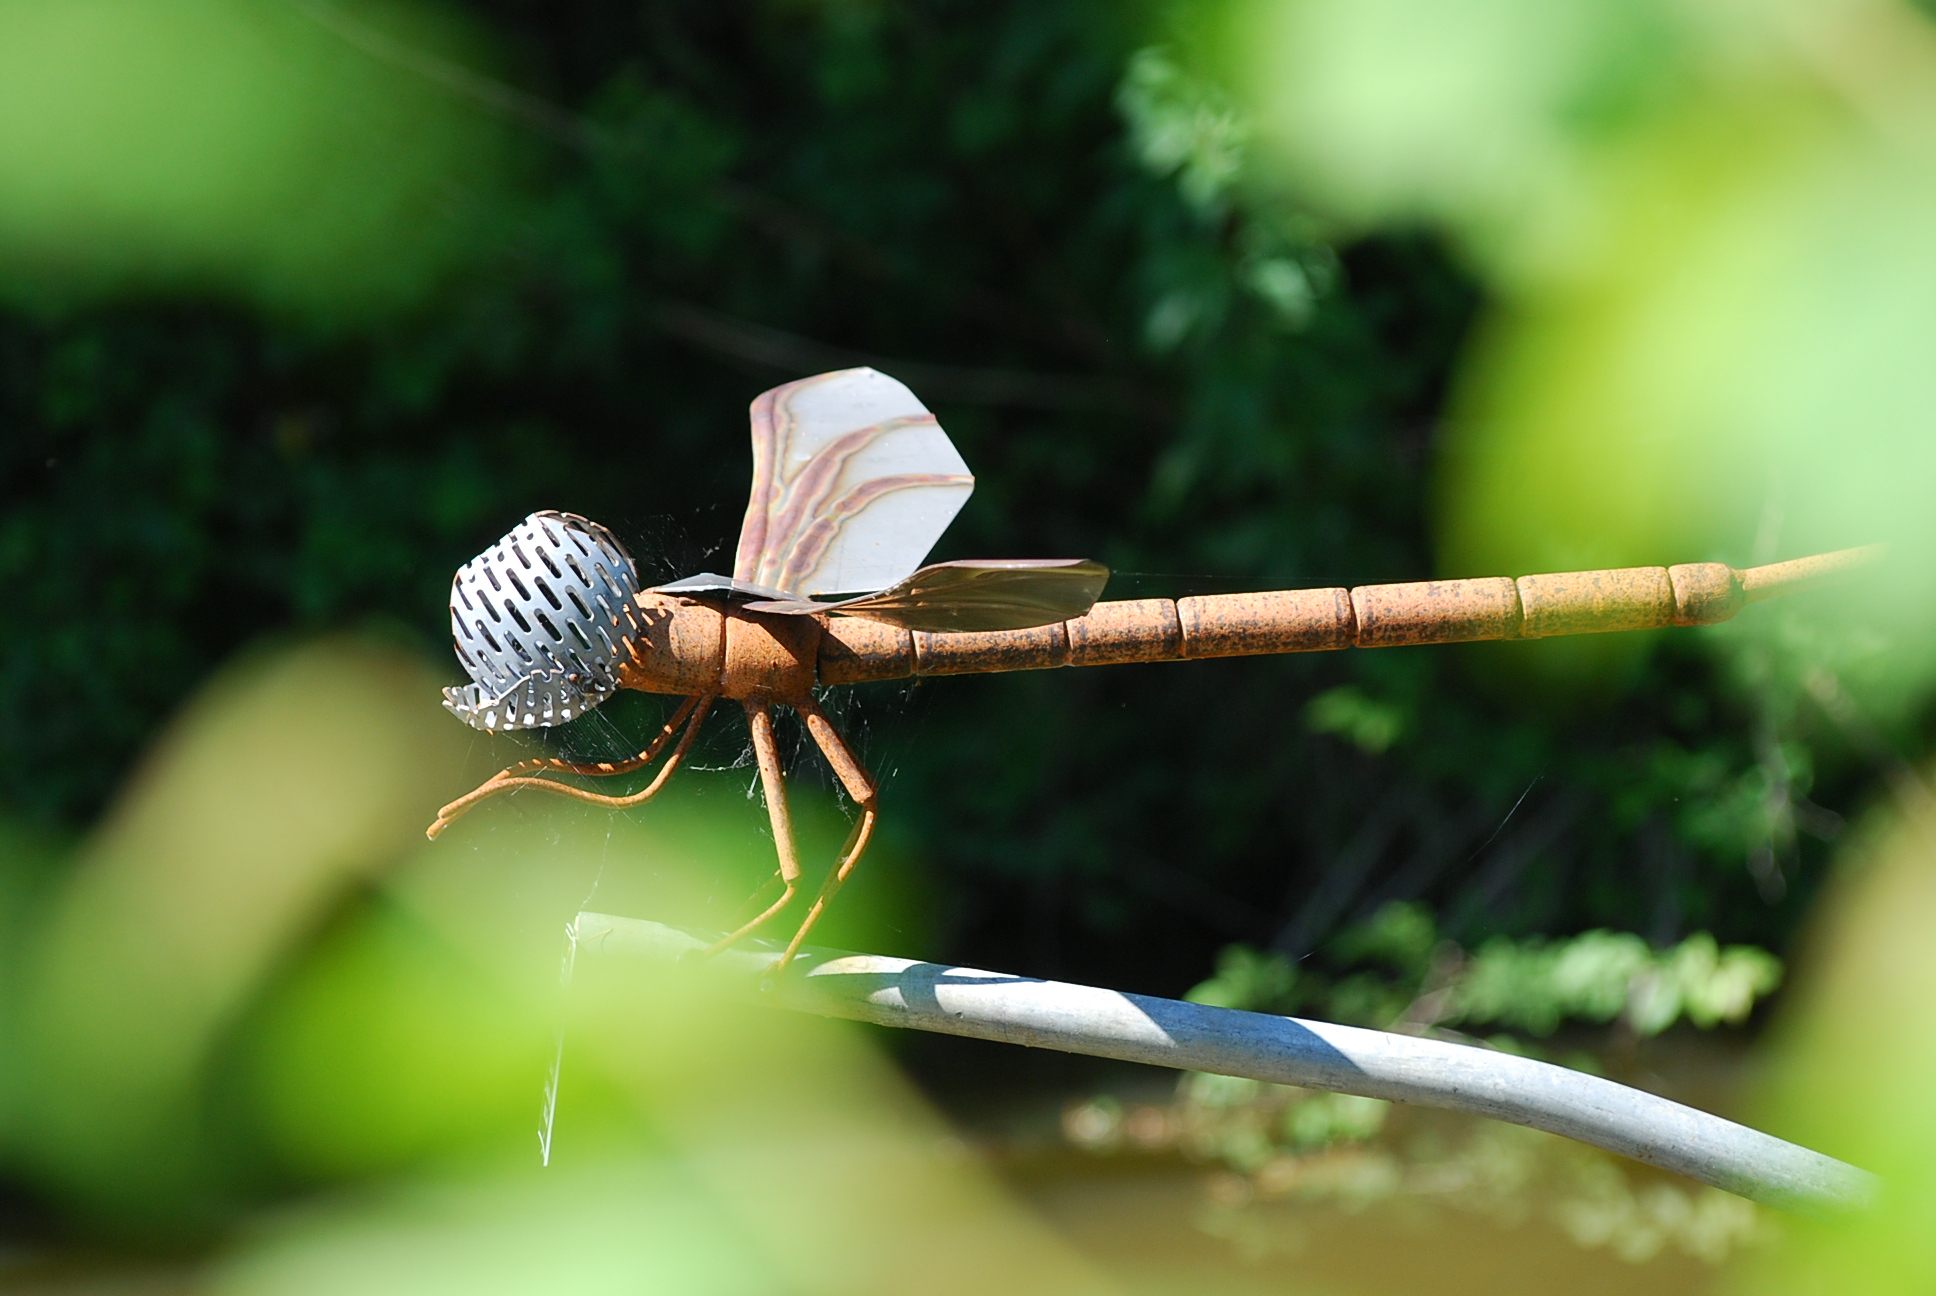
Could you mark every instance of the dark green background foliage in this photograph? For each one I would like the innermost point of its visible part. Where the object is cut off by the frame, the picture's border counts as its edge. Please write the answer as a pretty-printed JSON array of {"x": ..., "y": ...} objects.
[{"x": 725, "y": 197}]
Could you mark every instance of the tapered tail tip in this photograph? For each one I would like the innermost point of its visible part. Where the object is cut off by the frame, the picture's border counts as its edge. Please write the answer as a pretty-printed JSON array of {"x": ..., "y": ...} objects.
[{"x": 1799, "y": 574}]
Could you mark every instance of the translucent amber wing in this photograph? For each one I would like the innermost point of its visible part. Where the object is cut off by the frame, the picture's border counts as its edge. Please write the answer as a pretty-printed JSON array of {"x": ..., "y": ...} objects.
[
  {"x": 991, "y": 594},
  {"x": 853, "y": 482}
]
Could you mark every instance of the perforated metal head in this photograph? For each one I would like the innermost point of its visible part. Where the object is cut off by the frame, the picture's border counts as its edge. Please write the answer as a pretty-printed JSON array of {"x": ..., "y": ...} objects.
[{"x": 541, "y": 621}]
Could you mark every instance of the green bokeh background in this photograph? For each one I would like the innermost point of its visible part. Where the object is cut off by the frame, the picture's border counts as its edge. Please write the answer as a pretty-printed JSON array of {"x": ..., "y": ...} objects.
[{"x": 303, "y": 302}]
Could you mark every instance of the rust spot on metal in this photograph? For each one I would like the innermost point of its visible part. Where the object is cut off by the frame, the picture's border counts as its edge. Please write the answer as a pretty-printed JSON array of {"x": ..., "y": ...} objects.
[
  {"x": 1588, "y": 602},
  {"x": 1128, "y": 630},
  {"x": 682, "y": 648},
  {"x": 1704, "y": 593},
  {"x": 1243, "y": 625},
  {"x": 966, "y": 652},
  {"x": 855, "y": 650},
  {"x": 1436, "y": 612}
]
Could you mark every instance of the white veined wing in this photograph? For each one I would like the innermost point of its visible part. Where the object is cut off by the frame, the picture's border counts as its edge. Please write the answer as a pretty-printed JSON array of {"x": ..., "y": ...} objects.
[{"x": 853, "y": 482}]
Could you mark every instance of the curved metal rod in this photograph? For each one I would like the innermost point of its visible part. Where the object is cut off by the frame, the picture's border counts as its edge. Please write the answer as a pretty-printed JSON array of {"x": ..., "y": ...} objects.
[
  {"x": 513, "y": 777},
  {"x": 1279, "y": 1050}
]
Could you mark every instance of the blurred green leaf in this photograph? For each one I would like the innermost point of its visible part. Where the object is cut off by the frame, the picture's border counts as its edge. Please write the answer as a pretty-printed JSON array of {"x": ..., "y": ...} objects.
[
  {"x": 1371, "y": 725},
  {"x": 1850, "y": 1072},
  {"x": 239, "y": 145},
  {"x": 1394, "y": 966},
  {"x": 1599, "y": 976},
  {"x": 1401, "y": 935},
  {"x": 298, "y": 775},
  {"x": 1247, "y": 979}
]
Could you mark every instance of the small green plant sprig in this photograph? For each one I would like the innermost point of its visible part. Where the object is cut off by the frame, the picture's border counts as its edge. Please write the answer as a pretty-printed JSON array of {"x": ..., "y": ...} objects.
[{"x": 1394, "y": 971}]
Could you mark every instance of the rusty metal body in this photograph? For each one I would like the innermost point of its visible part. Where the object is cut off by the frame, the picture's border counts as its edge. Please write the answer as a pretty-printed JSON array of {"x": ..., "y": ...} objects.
[
  {"x": 697, "y": 645},
  {"x": 705, "y": 648}
]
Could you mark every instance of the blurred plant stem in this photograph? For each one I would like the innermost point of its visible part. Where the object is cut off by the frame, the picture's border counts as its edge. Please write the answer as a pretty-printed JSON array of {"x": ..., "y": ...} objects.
[{"x": 1853, "y": 1053}]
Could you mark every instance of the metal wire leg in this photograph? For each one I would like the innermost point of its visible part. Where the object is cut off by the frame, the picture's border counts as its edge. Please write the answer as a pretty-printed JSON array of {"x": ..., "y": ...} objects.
[
  {"x": 849, "y": 856},
  {"x": 860, "y": 786},
  {"x": 759, "y": 719},
  {"x": 690, "y": 714},
  {"x": 600, "y": 769}
]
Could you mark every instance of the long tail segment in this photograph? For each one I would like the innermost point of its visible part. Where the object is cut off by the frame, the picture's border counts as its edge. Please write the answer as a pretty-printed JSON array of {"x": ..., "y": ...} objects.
[{"x": 1316, "y": 620}]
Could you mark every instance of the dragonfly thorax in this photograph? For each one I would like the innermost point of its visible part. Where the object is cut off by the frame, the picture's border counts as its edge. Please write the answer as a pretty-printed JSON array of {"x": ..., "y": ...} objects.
[{"x": 702, "y": 645}]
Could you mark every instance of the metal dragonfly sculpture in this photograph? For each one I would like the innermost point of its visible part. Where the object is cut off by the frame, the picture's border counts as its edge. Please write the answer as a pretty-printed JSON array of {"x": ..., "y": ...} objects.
[{"x": 853, "y": 482}]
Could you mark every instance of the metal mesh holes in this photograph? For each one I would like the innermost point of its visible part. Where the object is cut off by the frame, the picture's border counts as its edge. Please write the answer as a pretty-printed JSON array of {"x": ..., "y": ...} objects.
[{"x": 540, "y": 620}]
